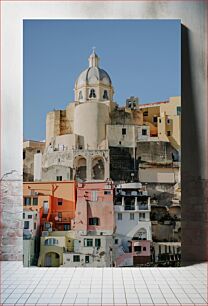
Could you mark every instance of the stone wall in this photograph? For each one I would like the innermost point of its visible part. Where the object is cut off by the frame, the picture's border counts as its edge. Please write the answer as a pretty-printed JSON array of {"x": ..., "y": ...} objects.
[
  {"x": 11, "y": 217},
  {"x": 156, "y": 151}
]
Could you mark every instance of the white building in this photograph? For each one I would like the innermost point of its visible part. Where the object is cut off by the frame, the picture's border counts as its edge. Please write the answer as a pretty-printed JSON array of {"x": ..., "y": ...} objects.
[
  {"x": 133, "y": 226},
  {"x": 30, "y": 237},
  {"x": 90, "y": 251}
]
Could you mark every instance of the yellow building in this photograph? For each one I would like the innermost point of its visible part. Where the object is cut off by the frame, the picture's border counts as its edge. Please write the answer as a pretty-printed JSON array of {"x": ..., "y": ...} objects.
[
  {"x": 164, "y": 119},
  {"x": 53, "y": 246}
]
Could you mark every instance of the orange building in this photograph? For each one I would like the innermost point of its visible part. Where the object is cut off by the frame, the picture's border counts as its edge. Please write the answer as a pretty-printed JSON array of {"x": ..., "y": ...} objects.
[{"x": 55, "y": 201}]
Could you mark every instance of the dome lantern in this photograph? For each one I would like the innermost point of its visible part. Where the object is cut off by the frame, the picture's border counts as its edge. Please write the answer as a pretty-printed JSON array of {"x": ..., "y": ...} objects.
[{"x": 94, "y": 59}]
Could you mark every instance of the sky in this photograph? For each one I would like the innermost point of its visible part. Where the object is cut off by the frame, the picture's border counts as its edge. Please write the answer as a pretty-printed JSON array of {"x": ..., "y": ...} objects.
[{"x": 142, "y": 57}]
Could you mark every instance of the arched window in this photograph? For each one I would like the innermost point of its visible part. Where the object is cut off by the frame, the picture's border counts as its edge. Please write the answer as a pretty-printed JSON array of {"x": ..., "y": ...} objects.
[
  {"x": 92, "y": 93},
  {"x": 141, "y": 234},
  {"x": 98, "y": 168},
  {"x": 80, "y": 95},
  {"x": 105, "y": 95},
  {"x": 80, "y": 165}
]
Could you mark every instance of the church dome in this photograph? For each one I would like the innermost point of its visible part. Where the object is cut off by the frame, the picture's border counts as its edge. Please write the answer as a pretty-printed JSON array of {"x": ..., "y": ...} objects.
[
  {"x": 93, "y": 74},
  {"x": 94, "y": 83}
]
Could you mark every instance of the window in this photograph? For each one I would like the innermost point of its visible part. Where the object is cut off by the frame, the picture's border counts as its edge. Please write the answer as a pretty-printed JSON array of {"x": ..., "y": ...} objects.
[
  {"x": 107, "y": 192},
  {"x": 129, "y": 203},
  {"x": 141, "y": 215},
  {"x": 27, "y": 201},
  {"x": 87, "y": 259},
  {"x": 94, "y": 221},
  {"x": 145, "y": 113},
  {"x": 123, "y": 131},
  {"x": 137, "y": 248},
  {"x": 59, "y": 178},
  {"x": 35, "y": 226},
  {"x": 60, "y": 202},
  {"x": 59, "y": 215},
  {"x": 80, "y": 95},
  {"x": 29, "y": 216},
  {"x": 116, "y": 241},
  {"x": 131, "y": 216},
  {"x": 35, "y": 201},
  {"x": 160, "y": 121},
  {"x": 38, "y": 151},
  {"x": 23, "y": 215},
  {"x": 26, "y": 224},
  {"x": 105, "y": 95},
  {"x": 94, "y": 195},
  {"x": 119, "y": 216},
  {"x": 178, "y": 109},
  {"x": 144, "y": 132},
  {"x": 92, "y": 94},
  {"x": 67, "y": 227},
  {"x": 97, "y": 242},
  {"x": 168, "y": 133},
  {"x": 144, "y": 248},
  {"x": 76, "y": 258},
  {"x": 24, "y": 154},
  {"x": 51, "y": 241},
  {"x": 168, "y": 121},
  {"x": 88, "y": 242},
  {"x": 154, "y": 119}
]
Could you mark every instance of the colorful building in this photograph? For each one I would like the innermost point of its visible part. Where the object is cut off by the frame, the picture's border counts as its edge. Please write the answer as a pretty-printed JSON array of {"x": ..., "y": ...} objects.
[
  {"x": 52, "y": 247},
  {"x": 164, "y": 120},
  {"x": 55, "y": 202},
  {"x": 133, "y": 234},
  {"x": 93, "y": 226},
  {"x": 94, "y": 208}
]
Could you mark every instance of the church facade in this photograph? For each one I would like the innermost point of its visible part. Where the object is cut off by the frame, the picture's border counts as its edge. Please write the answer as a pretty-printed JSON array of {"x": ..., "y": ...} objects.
[{"x": 94, "y": 137}]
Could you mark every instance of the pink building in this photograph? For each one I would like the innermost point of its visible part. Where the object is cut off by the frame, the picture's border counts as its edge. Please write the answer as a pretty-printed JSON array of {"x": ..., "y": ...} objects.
[{"x": 94, "y": 209}]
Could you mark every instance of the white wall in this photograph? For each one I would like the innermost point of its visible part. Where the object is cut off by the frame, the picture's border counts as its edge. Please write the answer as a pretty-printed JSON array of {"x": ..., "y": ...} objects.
[
  {"x": 38, "y": 167},
  {"x": 127, "y": 227}
]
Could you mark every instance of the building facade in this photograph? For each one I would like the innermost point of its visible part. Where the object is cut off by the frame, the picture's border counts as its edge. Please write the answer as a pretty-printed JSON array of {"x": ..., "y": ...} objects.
[
  {"x": 133, "y": 234},
  {"x": 54, "y": 201}
]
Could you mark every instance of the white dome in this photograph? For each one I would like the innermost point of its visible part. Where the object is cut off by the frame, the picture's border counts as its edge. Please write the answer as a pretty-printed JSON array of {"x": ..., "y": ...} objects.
[{"x": 93, "y": 75}]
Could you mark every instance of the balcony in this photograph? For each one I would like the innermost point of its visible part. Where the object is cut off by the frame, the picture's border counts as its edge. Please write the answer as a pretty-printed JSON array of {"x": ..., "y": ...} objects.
[{"x": 140, "y": 207}]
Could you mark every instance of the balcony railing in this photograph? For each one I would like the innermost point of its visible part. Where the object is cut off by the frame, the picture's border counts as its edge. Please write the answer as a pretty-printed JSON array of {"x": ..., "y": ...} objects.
[{"x": 119, "y": 208}]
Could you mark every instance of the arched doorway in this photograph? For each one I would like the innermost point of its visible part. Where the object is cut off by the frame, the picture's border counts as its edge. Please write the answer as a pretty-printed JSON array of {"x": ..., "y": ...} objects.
[
  {"x": 98, "y": 168},
  {"x": 80, "y": 165},
  {"x": 52, "y": 259},
  {"x": 141, "y": 234}
]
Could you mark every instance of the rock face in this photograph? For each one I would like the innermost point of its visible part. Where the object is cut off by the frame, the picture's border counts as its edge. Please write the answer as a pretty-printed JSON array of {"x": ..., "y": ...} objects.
[{"x": 11, "y": 216}]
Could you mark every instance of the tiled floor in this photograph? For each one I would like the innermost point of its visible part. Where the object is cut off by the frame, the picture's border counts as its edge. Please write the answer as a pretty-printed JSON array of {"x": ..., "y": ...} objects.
[{"x": 109, "y": 286}]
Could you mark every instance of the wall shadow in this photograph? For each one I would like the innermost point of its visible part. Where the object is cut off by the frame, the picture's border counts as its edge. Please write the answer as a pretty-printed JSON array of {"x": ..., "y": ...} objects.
[{"x": 194, "y": 206}]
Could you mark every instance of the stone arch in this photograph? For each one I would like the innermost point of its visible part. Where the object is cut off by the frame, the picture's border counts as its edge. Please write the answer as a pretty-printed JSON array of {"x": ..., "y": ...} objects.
[
  {"x": 141, "y": 234},
  {"x": 98, "y": 168},
  {"x": 52, "y": 259},
  {"x": 80, "y": 164}
]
